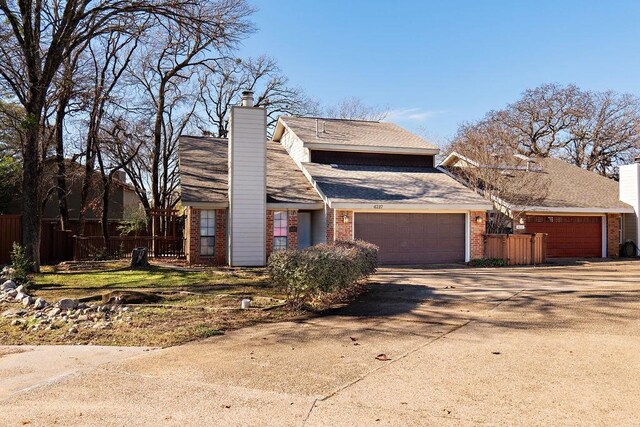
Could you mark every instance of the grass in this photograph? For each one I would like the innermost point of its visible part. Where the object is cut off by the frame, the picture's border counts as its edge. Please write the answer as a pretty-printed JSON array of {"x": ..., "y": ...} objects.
[{"x": 196, "y": 304}]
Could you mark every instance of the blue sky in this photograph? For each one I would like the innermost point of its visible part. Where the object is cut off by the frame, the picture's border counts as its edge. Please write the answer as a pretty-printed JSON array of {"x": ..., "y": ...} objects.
[{"x": 436, "y": 64}]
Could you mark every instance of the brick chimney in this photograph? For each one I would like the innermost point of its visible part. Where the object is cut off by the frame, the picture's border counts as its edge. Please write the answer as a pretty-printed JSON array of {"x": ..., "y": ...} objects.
[{"x": 247, "y": 184}]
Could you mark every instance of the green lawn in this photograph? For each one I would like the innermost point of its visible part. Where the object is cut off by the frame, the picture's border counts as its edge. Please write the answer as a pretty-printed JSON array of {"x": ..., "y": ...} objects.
[
  {"x": 195, "y": 304},
  {"x": 117, "y": 276}
]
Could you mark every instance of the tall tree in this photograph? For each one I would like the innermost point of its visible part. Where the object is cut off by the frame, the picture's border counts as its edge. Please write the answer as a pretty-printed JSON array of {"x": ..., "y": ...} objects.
[
  {"x": 165, "y": 73},
  {"x": 38, "y": 36},
  {"x": 606, "y": 134},
  {"x": 222, "y": 88},
  {"x": 542, "y": 118},
  {"x": 354, "y": 108}
]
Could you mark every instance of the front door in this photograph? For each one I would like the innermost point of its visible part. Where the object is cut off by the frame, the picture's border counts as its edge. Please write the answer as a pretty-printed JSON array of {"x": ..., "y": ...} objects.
[{"x": 304, "y": 229}]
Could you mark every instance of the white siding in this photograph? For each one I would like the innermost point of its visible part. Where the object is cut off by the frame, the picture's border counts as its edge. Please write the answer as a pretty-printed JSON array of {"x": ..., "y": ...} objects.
[
  {"x": 630, "y": 193},
  {"x": 294, "y": 147},
  {"x": 247, "y": 186}
]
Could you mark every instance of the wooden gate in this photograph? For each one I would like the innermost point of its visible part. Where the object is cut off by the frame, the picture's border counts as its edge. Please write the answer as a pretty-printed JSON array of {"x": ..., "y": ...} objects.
[
  {"x": 517, "y": 249},
  {"x": 10, "y": 231}
]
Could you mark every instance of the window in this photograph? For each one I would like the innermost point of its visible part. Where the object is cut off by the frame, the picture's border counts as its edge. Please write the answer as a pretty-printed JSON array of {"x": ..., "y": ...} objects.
[
  {"x": 207, "y": 232},
  {"x": 280, "y": 230}
]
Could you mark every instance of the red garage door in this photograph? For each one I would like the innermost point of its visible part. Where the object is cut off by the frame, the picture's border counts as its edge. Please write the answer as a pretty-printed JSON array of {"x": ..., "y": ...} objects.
[
  {"x": 413, "y": 238},
  {"x": 569, "y": 236}
]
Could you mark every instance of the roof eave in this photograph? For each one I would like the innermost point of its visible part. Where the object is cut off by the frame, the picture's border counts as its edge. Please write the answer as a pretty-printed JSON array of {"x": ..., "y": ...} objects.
[
  {"x": 382, "y": 206},
  {"x": 570, "y": 209},
  {"x": 370, "y": 149}
]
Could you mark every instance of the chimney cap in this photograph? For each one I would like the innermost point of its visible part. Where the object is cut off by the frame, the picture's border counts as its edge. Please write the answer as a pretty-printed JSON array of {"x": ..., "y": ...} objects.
[{"x": 247, "y": 98}]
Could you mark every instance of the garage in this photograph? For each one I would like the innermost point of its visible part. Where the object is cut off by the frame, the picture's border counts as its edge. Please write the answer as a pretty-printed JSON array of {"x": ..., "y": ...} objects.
[
  {"x": 413, "y": 238},
  {"x": 569, "y": 236}
]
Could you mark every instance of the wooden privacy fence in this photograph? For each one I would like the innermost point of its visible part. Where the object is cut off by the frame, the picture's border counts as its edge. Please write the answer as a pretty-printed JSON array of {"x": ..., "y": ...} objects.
[
  {"x": 10, "y": 231},
  {"x": 517, "y": 249},
  {"x": 92, "y": 247}
]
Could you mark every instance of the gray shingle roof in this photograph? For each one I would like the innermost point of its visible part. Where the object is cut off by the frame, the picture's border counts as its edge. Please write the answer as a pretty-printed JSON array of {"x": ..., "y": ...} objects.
[
  {"x": 570, "y": 186},
  {"x": 357, "y": 133},
  {"x": 391, "y": 185},
  {"x": 567, "y": 186},
  {"x": 204, "y": 173}
]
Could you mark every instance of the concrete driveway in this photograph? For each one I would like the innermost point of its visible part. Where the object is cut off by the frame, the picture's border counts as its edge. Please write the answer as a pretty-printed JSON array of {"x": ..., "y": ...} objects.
[{"x": 553, "y": 345}]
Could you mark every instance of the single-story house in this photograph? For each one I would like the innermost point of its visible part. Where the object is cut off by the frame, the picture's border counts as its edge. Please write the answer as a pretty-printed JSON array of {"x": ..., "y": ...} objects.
[
  {"x": 321, "y": 180},
  {"x": 581, "y": 211}
]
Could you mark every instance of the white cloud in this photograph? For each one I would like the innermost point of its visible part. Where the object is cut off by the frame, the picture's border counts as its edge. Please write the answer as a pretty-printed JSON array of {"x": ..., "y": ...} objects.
[{"x": 411, "y": 115}]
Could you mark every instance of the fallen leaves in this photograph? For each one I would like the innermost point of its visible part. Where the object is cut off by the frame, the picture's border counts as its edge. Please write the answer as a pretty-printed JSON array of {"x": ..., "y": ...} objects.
[{"x": 382, "y": 357}]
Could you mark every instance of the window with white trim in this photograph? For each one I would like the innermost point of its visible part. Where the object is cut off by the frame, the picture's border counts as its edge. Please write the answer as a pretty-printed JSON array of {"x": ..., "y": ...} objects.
[
  {"x": 207, "y": 232},
  {"x": 280, "y": 231}
]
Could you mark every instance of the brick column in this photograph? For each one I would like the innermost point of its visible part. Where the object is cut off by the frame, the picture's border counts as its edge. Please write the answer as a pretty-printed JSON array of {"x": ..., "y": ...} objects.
[
  {"x": 477, "y": 231},
  {"x": 343, "y": 230},
  {"x": 613, "y": 235},
  {"x": 330, "y": 225},
  {"x": 292, "y": 236},
  {"x": 221, "y": 237},
  {"x": 269, "y": 231},
  {"x": 193, "y": 235}
]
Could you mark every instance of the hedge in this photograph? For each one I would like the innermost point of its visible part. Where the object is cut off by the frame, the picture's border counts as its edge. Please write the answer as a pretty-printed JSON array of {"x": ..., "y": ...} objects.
[{"x": 305, "y": 274}]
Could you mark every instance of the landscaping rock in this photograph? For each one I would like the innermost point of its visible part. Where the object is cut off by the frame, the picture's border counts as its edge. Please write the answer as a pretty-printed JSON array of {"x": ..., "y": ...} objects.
[
  {"x": 17, "y": 322},
  {"x": 12, "y": 312},
  {"x": 9, "y": 284},
  {"x": 54, "y": 312},
  {"x": 11, "y": 293},
  {"x": 19, "y": 296},
  {"x": 68, "y": 303},
  {"x": 21, "y": 289},
  {"x": 39, "y": 304},
  {"x": 73, "y": 329},
  {"x": 27, "y": 300}
]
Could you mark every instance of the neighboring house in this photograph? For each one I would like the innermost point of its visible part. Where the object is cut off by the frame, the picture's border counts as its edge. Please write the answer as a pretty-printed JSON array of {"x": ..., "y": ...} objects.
[
  {"x": 580, "y": 210},
  {"x": 122, "y": 201},
  {"x": 322, "y": 180}
]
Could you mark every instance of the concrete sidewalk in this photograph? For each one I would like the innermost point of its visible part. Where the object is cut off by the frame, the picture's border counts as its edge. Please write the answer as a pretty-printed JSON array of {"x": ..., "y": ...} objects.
[{"x": 553, "y": 345}]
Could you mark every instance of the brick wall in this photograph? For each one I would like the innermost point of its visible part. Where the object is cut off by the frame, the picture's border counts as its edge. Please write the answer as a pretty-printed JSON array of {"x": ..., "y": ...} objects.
[
  {"x": 330, "y": 221},
  {"x": 613, "y": 235},
  {"x": 343, "y": 230},
  {"x": 292, "y": 237},
  {"x": 477, "y": 231},
  {"x": 192, "y": 228}
]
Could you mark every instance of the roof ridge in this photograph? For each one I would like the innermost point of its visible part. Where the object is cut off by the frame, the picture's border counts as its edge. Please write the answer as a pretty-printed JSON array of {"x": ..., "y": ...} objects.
[{"x": 333, "y": 118}]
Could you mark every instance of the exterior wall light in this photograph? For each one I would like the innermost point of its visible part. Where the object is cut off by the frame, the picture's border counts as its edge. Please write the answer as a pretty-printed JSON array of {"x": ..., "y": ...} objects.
[
  {"x": 345, "y": 219},
  {"x": 521, "y": 221},
  {"x": 478, "y": 219}
]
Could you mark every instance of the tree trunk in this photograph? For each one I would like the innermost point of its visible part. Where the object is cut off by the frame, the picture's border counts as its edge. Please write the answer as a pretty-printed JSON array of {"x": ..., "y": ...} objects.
[
  {"x": 61, "y": 173},
  {"x": 106, "y": 189},
  {"x": 31, "y": 207}
]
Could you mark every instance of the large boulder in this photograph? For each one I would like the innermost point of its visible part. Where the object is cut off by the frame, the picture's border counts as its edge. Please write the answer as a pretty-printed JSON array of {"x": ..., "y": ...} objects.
[
  {"x": 68, "y": 303},
  {"x": 8, "y": 285},
  {"x": 39, "y": 304}
]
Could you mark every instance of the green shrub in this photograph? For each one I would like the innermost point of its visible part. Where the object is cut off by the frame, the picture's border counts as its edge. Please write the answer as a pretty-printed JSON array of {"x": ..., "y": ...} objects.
[
  {"x": 21, "y": 264},
  {"x": 488, "y": 262},
  {"x": 309, "y": 273}
]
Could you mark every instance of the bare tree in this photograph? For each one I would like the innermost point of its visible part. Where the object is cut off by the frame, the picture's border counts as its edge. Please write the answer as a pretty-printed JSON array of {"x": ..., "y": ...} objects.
[
  {"x": 35, "y": 39},
  {"x": 222, "y": 88},
  {"x": 173, "y": 54},
  {"x": 354, "y": 108},
  {"x": 606, "y": 134},
  {"x": 489, "y": 165},
  {"x": 542, "y": 118}
]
